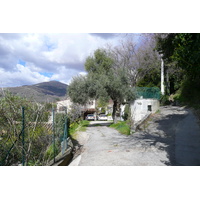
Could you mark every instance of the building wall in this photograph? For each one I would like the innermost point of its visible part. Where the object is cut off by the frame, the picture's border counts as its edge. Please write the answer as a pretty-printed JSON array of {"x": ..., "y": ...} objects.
[
  {"x": 67, "y": 103},
  {"x": 141, "y": 107},
  {"x": 62, "y": 104}
]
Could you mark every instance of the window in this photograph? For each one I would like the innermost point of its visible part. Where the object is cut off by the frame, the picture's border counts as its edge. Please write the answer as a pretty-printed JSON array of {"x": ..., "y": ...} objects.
[{"x": 149, "y": 108}]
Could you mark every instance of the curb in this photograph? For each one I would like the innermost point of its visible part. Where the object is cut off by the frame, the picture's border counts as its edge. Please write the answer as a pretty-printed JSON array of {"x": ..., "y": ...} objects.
[{"x": 76, "y": 161}]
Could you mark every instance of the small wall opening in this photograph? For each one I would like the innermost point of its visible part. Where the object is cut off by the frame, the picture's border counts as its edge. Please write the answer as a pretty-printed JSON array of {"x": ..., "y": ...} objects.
[{"x": 149, "y": 108}]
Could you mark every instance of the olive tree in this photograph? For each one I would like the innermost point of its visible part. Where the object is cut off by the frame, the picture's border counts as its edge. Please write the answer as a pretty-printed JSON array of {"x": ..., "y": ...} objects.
[{"x": 103, "y": 80}]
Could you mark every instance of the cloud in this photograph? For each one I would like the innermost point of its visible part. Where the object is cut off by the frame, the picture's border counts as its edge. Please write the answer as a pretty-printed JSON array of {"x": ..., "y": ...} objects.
[
  {"x": 21, "y": 76},
  {"x": 65, "y": 75},
  {"x": 105, "y": 35},
  {"x": 11, "y": 36},
  {"x": 30, "y": 58}
]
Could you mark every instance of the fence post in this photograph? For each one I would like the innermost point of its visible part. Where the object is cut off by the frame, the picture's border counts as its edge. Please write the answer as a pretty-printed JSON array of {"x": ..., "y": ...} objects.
[
  {"x": 54, "y": 144},
  {"x": 23, "y": 136},
  {"x": 65, "y": 129},
  {"x": 64, "y": 142}
]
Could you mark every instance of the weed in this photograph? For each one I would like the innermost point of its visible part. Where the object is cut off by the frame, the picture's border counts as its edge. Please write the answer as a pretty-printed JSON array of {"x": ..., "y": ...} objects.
[
  {"x": 78, "y": 126},
  {"x": 122, "y": 127}
]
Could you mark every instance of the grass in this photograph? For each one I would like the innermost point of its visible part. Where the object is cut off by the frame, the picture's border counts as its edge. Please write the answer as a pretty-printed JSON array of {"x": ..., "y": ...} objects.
[
  {"x": 122, "y": 127},
  {"x": 80, "y": 126}
]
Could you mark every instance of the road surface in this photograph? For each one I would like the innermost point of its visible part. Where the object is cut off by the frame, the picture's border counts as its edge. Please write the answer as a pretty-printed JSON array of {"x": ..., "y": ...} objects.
[{"x": 171, "y": 137}]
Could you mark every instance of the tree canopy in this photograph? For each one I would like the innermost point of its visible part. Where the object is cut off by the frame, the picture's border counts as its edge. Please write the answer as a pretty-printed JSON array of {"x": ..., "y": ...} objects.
[
  {"x": 182, "y": 51},
  {"x": 104, "y": 80}
]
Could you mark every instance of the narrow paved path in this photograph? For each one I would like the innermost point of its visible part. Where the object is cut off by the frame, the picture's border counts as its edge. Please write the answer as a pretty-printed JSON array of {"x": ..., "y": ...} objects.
[
  {"x": 171, "y": 137},
  {"x": 104, "y": 146}
]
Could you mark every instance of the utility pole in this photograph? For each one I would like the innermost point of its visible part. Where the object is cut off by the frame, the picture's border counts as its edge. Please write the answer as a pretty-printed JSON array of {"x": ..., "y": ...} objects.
[{"x": 162, "y": 76}]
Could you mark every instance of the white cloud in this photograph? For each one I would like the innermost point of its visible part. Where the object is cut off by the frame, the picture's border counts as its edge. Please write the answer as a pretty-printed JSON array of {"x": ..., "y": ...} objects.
[
  {"x": 62, "y": 55},
  {"x": 65, "y": 75},
  {"x": 21, "y": 76},
  {"x": 83, "y": 73}
]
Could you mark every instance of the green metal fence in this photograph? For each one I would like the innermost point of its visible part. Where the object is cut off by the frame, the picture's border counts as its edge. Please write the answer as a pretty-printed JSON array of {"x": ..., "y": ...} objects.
[
  {"x": 147, "y": 92},
  {"x": 59, "y": 128}
]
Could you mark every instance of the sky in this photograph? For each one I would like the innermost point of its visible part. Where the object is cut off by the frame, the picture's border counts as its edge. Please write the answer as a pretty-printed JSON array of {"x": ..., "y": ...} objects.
[
  {"x": 32, "y": 58},
  {"x": 42, "y": 54}
]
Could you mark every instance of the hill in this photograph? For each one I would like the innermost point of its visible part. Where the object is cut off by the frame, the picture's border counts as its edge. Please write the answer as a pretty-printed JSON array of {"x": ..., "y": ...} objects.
[{"x": 41, "y": 92}]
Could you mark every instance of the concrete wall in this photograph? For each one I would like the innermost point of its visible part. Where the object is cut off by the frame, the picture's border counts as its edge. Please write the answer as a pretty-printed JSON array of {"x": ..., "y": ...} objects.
[
  {"x": 141, "y": 107},
  {"x": 68, "y": 103},
  {"x": 65, "y": 103}
]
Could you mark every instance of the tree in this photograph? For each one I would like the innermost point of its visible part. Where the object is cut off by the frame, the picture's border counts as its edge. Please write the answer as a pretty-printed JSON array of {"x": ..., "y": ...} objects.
[
  {"x": 138, "y": 59},
  {"x": 104, "y": 80},
  {"x": 181, "y": 51},
  {"x": 78, "y": 90},
  {"x": 182, "y": 48}
]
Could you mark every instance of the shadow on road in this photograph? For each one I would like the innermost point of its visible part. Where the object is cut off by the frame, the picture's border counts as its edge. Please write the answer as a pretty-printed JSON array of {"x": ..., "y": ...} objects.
[{"x": 162, "y": 133}]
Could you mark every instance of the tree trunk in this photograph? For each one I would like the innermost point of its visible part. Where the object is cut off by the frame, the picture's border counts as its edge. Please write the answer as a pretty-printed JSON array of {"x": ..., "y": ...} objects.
[{"x": 114, "y": 112}]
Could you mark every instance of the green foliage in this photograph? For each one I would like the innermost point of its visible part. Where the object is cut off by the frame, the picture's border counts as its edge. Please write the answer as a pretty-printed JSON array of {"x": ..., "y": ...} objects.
[
  {"x": 49, "y": 106},
  {"x": 100, "y": 63},
  {"x": 60, "y": 120},
  {"x": 83, "y": 125},
  {"x": 188, "y": 94},
  {"x": 104, "y": 81},
  {"x": 102, "y": 102},
  {"x": 151, "y": 79},
  {"x": 78, "y": 90},
  {"x": 49, "y": 154},
  {"x": 122, "y": 127},
  {"x": 37, "y": 136},
  {"x": 78, "y": 126},
  {"x": 186, "y": 53},
  {"x": 183, "y": 49},
  {"x": 164, "y": 100},
  {"x": 126, "y": 112},
  {"x": 75, "y": 113}
]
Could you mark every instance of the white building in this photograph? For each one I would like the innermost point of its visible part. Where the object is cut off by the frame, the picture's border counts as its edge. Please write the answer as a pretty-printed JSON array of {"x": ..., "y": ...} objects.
[
  {"x": 62, "y": 105},
  {"x": 90, "y": 107},
  {"x": 142, "y": 108}
]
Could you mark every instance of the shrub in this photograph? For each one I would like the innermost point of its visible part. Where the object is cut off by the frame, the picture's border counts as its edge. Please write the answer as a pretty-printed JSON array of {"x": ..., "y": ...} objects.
[
  {"x": 126, "y": 112},
  {"x": 164, "y": 100}
]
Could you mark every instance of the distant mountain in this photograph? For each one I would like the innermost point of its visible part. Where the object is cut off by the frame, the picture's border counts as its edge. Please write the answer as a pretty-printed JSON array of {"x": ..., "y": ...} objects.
[{"x": 42, "y": 92}]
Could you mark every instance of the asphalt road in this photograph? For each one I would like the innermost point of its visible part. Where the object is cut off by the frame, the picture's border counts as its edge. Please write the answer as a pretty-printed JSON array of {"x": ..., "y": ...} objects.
[{"x": 171, "y": 137}]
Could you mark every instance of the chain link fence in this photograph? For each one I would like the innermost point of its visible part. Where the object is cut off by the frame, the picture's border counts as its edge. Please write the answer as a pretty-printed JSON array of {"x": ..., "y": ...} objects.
[{"x": 147, "y": 92}]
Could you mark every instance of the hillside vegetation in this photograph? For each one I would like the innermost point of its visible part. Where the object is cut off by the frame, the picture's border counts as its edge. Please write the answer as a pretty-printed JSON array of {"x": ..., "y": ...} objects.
[
  {"x": 41, "y": 92},
  {"x": 182, "y": 61}
]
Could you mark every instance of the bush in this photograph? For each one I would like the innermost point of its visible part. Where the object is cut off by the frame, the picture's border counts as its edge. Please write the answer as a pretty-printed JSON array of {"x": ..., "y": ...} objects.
[
  {"x": 37, "y": 137},
  {"x": 126, "y": 112},
  {"x": 164, "y": 100},
  {"x": 49, "y": 154}
]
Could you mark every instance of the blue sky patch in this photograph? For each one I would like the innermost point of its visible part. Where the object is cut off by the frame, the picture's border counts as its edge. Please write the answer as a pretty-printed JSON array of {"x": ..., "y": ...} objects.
[
  {"x": 47, "y": 74},
  {"x": 21, "y": 62},
  {"x": 49, "y": 45}
]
